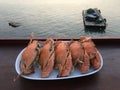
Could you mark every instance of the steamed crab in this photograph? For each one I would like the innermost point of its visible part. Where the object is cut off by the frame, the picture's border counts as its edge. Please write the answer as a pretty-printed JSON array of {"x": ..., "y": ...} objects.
[
  {"x": 79, "y": 56},
  {"x": 91, "y": 50},
  {"x": 29, "y": 57},
  {"x": 77, "y": 52},
  {"x": 63, "y": 59},
  {"x": 46, "y": 58},
  {"x": 85, "y": 65}
]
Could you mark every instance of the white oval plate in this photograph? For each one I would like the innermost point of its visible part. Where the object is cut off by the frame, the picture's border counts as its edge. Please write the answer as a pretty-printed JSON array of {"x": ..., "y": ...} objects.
[{"x": 53, "y": 75}]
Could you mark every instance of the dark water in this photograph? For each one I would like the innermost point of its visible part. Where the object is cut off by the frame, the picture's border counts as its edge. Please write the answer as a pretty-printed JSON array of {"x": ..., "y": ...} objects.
[{"x": 56, "y": 18}]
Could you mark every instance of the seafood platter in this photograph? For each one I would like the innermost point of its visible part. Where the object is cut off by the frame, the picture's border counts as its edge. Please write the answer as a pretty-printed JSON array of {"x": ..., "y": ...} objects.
[{"x": 56, "y": 59}]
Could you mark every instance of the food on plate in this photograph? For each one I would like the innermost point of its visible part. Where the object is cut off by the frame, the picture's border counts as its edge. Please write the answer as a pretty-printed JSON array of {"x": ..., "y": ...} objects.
[
  {"x": 68, "y": 66},
  {"x": 91, "y": 50},
  {"x": 77, "y": 52},
  {"x": 46, "y": 58},
  {"x": 61, "y": 55},
  {"x": 63, "y": 60},
  {"x": 85, "y": 65},
  {"x": 29, "y": 57}
]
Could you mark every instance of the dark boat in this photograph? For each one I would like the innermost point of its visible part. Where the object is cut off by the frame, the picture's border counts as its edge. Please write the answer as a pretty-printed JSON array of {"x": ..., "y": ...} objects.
[
  {"x": 93, "y": 18},
  {"x": 14, "y": 24}
]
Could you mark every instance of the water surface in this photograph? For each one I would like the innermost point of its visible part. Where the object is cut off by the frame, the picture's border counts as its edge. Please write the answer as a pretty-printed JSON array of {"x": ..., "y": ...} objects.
[{"x": 56, "y": 18}]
